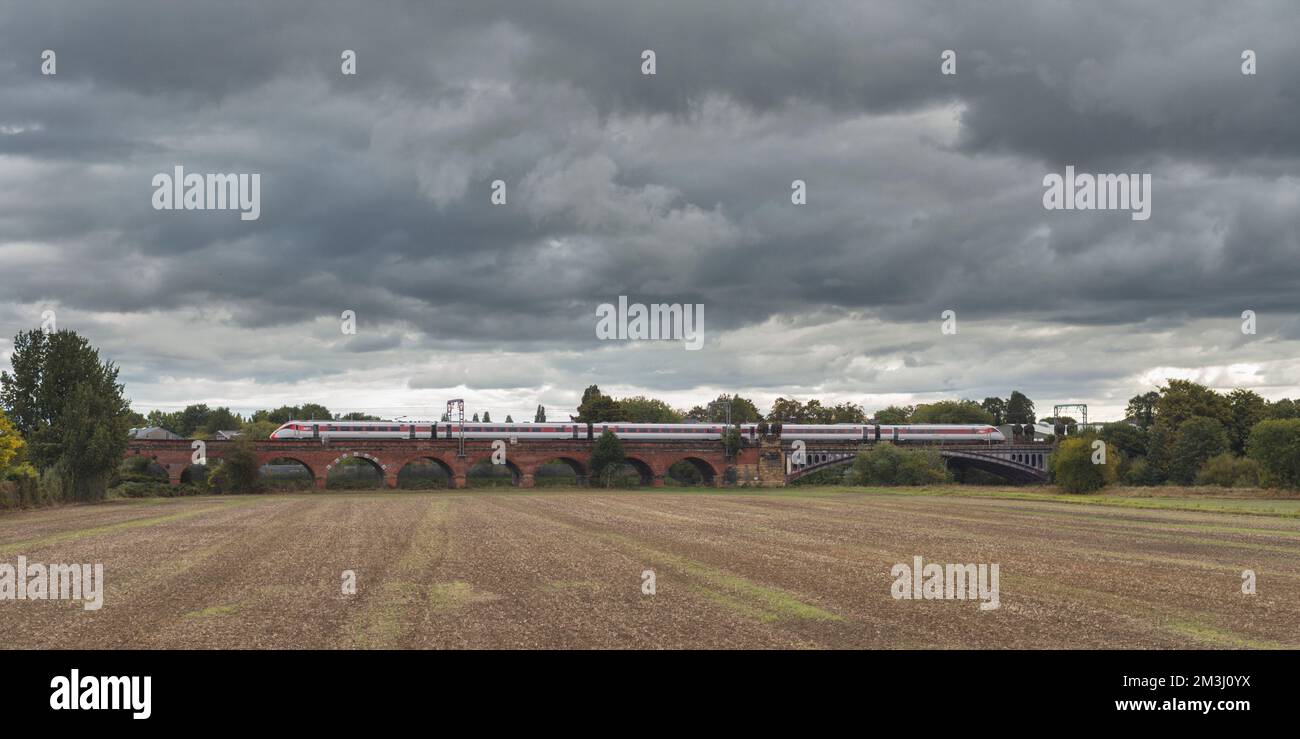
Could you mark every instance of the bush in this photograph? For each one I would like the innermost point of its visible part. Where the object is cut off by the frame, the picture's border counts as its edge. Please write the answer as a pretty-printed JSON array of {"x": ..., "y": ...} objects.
[
  {"x": 19, "y": 488},
  {"x": 136, "y": 465},
  {"x": 238, "y": 473},
  {"x": 887, "y": 464},
  {"x": 53, "y": 486},
  {"x": 1073, "y": 469},
  {"x": 606, "y": 458},
  {"x": 1160, "y": 443},
  {"x": 1275, "y": 447},
  {"x": 1196, "y": 440},
  {"x": 148, "y": 488},
  {"x": 1229, "y": 471},
  {"x": 732, "y": 441},
  {"x": 1140, "y": 472}
]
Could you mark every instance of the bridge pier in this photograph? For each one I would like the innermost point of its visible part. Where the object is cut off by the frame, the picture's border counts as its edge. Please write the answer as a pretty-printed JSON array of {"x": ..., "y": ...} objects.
[
  {"x": 458, "y": 482},
  {"x": 320, "y": 482},
  {"x": 527, "y": 480},
  {"x": 390, "y": 479},
  {"x": 174, "y": 473},
  {"x": 657, "y": 481}
]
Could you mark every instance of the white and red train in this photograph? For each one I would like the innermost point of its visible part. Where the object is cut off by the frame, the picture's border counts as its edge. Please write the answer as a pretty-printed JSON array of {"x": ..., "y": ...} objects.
[{"x": 868, "y": 432}]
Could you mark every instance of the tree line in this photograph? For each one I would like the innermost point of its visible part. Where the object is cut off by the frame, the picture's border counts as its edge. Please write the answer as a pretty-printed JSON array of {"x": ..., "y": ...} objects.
[{"x": 1186, "y": 433}]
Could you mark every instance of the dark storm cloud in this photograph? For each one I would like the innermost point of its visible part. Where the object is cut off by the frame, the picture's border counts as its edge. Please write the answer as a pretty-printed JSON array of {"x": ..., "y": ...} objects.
[{"x": 924, "y": 190}]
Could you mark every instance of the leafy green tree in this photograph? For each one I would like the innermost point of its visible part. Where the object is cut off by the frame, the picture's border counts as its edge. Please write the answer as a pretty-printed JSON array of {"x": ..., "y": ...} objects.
[
  {"x": 1129, "y": 439},
  {"x": 887, "y": 464},
  {"x": 597, "y": 407},
  {"x": 487, "y": 417},
  {"x": 951, "y": 411},
  {"x": 313, "y": 412},
  {"x": 815, "y": 412},
  {"x": 258, "y": 430},
  {"x": 1197, "y": 439},
  {"x": 1184, "y": 399},
  {"x": 1160, "y": 447},
  {"x": 1142, "y": 408},
  {"x": 640, "y": 409},
  {"x": 894, "y": 415},
  {"x": 475, "y": 418},
  {"x": 305, "y": 412},
  {"x": 1275, "y": 445},
  {"x": 1073, "y": 467},
  {"x": 996, "y": 407},
  {"x": 607, "y": 458},
  {"x": 1284, "y": 408},
  {"x": 170, "y": 421},
  {"x": 540, "y": 416},
  {"x": 847, "y": 413},
  {"x": 193, "y": 418},
  {"x": 238, "y": 472},
  {"x": 732, "y": 441},
  {"x": 787, "y": 410},
  {"x": 743, "y": 410},
  {"x": 357, "y": 416},
  {"x": 69, "y": 408},
  {"x": 221, "y": 419},
  {"x": 284, "y": 414},
  {"x": 1020, "y": 409},
  {"x": 1248, "y": 409},
  {"x": 509, "y": 419}
]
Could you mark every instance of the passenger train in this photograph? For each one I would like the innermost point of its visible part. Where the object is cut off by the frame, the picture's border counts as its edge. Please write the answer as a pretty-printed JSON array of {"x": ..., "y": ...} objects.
[{"x": 867, "y": 432}]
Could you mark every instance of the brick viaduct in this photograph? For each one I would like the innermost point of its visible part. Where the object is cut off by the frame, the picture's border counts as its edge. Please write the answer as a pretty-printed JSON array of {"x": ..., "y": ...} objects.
[
  {"x": 762, "y": 465},
  {"x": 651, "y": 459}
]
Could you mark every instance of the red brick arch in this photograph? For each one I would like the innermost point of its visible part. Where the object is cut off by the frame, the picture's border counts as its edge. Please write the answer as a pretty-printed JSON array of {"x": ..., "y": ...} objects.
[
  {"x": 516, "y": 472},
  {"x": 711, "y": 474},
  {"x": 450, "y": 466}
]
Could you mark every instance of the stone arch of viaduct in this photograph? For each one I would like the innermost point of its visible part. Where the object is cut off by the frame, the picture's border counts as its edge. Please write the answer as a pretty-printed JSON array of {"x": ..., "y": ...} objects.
[{"x": 651, "y": 460}]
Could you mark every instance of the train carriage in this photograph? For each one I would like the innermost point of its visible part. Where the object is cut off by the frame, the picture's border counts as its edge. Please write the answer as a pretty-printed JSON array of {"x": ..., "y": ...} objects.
[{"x": 862, "y": 432}]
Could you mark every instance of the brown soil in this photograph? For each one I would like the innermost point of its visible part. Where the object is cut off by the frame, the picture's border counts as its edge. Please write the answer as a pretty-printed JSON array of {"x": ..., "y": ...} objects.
[{"x": 557, "y": 569}]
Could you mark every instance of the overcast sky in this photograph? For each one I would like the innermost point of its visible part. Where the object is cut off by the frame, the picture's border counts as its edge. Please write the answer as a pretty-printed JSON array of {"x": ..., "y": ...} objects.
[{"x": 924, "y": 194}]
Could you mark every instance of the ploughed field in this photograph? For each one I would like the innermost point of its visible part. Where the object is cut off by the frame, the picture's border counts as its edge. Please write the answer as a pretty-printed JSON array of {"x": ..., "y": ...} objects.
[{"x": 794, "y": 568}]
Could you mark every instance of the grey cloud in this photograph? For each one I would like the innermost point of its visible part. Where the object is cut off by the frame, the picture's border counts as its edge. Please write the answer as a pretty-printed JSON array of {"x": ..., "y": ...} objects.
[{"x": 924, "y": 191}]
